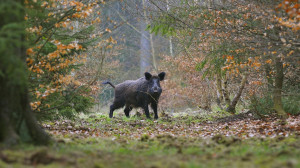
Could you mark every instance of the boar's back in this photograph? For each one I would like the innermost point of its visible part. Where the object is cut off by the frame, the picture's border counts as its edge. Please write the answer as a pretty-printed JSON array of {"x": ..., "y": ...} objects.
[{"x": 132, "y": 92}]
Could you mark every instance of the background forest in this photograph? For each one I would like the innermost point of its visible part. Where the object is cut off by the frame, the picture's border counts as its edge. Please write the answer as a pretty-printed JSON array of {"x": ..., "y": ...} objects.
[
  {"x": 232, "y": 73},
  {"x": 216, "y": 54}
]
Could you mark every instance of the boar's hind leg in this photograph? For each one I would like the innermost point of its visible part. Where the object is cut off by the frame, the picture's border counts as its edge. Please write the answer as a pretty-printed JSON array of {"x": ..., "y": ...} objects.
[
  {"x": 113, "y": 107},
  {"x": 154, "y": 107},
  {"x": 127, "y": 111}
]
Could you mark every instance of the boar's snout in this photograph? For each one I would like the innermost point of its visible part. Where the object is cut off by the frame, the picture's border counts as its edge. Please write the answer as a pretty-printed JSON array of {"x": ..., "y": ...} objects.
[{"x": 156, "y": 89}]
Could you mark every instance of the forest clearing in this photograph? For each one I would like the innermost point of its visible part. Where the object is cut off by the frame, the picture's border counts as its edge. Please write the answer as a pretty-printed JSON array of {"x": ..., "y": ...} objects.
[{"x": 149, "y": 83}]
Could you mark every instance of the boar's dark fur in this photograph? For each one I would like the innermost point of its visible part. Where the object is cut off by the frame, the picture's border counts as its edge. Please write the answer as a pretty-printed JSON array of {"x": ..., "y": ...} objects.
[{"x": 138, "y": 93}]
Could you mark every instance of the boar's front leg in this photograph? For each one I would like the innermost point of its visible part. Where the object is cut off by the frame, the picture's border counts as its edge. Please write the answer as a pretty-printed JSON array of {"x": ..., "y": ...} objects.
[
  {"x": 127, "y": 111},
  {"x": 154, "y": 107},
  {"x": 146, "y": 109}
]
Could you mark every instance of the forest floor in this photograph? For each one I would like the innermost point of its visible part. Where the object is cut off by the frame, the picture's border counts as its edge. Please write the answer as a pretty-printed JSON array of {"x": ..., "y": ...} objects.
[{"x": 95, "y": 141}]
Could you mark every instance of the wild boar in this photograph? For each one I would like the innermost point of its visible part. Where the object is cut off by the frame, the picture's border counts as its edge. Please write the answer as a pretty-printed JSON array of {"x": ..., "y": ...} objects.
[{"x": 138, "y": 93}]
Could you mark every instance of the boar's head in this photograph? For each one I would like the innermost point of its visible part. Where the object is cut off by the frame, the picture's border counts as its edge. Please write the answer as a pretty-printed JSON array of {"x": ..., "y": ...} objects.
[{"x": 154, "y": 82}]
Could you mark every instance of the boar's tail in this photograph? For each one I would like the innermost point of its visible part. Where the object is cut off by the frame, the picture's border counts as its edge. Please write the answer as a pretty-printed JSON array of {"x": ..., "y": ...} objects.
[{"x": 107, "y": 82}]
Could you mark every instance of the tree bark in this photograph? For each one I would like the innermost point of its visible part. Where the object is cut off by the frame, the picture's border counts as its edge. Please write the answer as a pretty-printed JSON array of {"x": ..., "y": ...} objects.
[
  {"x": 231, "y": 107},
  {"x": 278, "y": 89}
]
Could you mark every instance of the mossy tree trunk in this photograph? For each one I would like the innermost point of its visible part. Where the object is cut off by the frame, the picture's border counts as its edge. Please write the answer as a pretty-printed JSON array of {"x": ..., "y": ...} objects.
[{"x": 17, "y": 122}]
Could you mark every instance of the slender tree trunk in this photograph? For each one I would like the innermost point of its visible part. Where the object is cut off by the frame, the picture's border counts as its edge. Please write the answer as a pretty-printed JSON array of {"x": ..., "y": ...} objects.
[
  {"x": 219, "y": 90},
  {"x": 171, "y": 46},
  {"x": 231, "y": 107},
  {"x": 153, "y": 52},
  {"x": 278, "y": 89},
  {"x": 151, "y": 37},
  {"x": 270, "y": 82},
  {"x": 170, "y": 38},
  {"x": 269, "y": 78},
  {"x": 225, "y": 91}
]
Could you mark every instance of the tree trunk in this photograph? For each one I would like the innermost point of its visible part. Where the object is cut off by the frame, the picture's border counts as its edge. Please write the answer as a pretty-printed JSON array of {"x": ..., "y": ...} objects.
[
  {"x": 219, "y": 90},
  {"x": 269, "y": 78},
  {"x": 17, "y": 122},
  {"x": 170, "y": 38},
  {"x": 153, "y": 52},
  {"x": 150, "y": 37},
  {"x": 145, "y": 56},
  {"x": 8, "y": 134},
  {"x": 231, "y": 107},
  {"x": 278, "y": 89},
  {"x": 225, "y": 91}
]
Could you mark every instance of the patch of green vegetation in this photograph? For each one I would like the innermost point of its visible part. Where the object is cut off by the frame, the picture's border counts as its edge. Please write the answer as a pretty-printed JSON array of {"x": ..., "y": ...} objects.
[
  {"x": 264, "y": 105},
  {"x": 162, "y": 151},
  {"x": 138, "y": 142}
]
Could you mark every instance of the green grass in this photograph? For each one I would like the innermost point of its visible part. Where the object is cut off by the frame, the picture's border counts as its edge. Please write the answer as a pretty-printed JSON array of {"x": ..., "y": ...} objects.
[{"x": 163, "y": 151}]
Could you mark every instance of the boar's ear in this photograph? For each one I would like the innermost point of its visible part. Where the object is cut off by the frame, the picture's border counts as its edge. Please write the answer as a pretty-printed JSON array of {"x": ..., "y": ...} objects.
[
  {"x": 161, "y": 76},
  {"x": 148, "y": 75}
]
